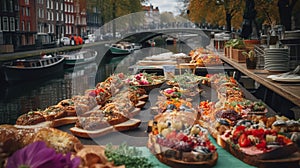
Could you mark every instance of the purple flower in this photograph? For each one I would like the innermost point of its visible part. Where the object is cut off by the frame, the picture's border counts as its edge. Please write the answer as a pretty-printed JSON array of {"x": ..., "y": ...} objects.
[{"x": 37, "y": 155}]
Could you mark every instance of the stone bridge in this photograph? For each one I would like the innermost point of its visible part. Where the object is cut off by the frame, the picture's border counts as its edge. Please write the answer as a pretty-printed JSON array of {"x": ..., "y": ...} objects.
[{"x": 186, "y": 35}]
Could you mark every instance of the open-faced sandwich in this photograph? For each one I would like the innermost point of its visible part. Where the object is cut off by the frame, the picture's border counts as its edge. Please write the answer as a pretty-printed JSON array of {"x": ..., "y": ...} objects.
[{"x": 178, "y": 141}]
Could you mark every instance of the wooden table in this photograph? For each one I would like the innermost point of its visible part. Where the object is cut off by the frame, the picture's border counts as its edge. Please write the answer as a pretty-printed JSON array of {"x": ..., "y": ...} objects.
[{"x": 290, "y": 91}]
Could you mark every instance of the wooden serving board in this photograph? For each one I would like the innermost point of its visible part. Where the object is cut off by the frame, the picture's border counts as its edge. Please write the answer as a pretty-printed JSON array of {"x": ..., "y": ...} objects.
[
  {"x": 284, "y": 156},
  {"x": 182, "y": 164},
  {"x": 128, "y": 125},
  {"x": 140, "y": 104},
  {"x": 143, "y": 98},
  {"x": 54, "y": 123}
]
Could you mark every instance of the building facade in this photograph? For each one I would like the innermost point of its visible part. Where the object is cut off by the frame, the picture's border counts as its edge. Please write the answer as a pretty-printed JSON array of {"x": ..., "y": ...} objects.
[
  {"x": 9, "y": 19},
  {"x": 69, "y": 13},
  {"x": 29, "y": 24},
  {"x": 27, "y": 29},
  {"x": 94, "y": 21},
  {"x": 80, "y": 18}
]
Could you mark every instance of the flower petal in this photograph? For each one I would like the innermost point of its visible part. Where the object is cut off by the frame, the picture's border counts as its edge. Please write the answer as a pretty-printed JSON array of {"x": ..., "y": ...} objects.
[{"x": 42, "y": 157}]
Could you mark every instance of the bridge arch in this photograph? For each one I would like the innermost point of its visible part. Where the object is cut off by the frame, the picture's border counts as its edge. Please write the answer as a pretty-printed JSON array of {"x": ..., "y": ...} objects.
[{"x": 183, "y": 34}]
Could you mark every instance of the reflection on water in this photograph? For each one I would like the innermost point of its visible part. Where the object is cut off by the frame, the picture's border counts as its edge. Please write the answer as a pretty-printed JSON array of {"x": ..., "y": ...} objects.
[{"x": 18, "y": 99}]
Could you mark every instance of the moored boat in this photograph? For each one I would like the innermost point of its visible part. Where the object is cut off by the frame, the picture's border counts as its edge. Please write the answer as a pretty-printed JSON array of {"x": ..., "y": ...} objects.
[
  {"x": 78, "y": 58},
  {"x": 28, "y": 69},
  {"x": 121, "y": 48}
]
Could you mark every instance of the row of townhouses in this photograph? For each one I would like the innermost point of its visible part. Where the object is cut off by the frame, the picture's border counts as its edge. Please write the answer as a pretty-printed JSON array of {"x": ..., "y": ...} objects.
[{"x": 28, "y": 24}]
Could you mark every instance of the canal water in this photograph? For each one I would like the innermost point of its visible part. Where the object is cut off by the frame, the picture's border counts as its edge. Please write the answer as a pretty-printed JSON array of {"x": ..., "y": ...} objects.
[{"x": 17, "y": 99}]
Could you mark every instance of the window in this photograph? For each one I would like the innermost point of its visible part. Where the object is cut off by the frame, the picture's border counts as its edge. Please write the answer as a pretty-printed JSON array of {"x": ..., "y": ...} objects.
[
  {"x": 12, "y": 23},
  {"x": 5, "y": 24},
  {"x": 39, "y": 28},
  {"x": 26, "y": 2},
  {"x": 23, "y": 25},
  {"x": 48, "y": 15},
  {"x": 4, "y": 6},
  {"x": 28, "y": 26},
  {"x": 51, "y": 4},
  {"x": 62, "y": 16},
  {"x": 57, "y": 16},
  {"x": 0, "y": 25},
  {"x": 16, "y": 7},
  {"x": 52, "y": 16},
  {"x": 11, "y": 6},
  {"x": 43, "y": 13},
  {"x": 62, "y": 6},
  {"x": 48, "y": 3},
  {"x": 17, "y": 20},
  {"x": 23, "y": 11},
  {"x": 27, "y": 11},
  {"x": 56, "y": 6}
]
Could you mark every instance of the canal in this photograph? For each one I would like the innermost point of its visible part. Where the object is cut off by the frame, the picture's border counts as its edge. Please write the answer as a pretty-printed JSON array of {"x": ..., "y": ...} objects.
[{"x": 19, "y": 98}]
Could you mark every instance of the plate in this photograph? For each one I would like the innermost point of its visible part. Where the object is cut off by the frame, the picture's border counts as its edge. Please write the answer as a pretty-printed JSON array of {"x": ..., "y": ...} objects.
[
  {"x": 287, "y": 78},
  {"x": 127, "y": 125}
]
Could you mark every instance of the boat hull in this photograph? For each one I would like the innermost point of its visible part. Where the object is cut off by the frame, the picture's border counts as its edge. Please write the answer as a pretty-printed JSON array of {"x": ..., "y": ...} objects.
[
  {"x": 14, "y": 74},
  {"x": 73, "y": 62},
  {"x": 80, "y": 58},
  {"x": 117, "y": 51}
]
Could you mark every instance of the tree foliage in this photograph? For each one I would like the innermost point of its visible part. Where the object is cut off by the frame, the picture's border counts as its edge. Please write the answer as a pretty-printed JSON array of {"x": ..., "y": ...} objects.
[
  {"x": 111, "y": 9},
  {"x": 214, "y": 11}
]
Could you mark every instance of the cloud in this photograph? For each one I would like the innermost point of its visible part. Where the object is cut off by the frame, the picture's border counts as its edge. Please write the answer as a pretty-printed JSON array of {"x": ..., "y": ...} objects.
[{"x": 167, "y": 6}]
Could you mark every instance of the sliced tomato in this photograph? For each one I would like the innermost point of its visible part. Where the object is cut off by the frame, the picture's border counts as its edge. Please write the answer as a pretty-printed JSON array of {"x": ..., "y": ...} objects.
[
  {"x": 262, "y": 145},
  {"x": 244, "y": 141}
]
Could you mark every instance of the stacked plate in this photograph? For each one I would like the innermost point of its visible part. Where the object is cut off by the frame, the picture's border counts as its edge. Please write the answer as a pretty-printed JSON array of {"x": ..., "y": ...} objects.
[
  {"x": 276, "y": 59},
  {"x": 291, "y": 37}
]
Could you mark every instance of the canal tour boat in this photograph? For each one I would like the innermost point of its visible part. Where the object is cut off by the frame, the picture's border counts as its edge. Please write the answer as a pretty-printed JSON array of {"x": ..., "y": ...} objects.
[
  {"x": 79, "y": 58},
  {"x": 35, "y": 68}
]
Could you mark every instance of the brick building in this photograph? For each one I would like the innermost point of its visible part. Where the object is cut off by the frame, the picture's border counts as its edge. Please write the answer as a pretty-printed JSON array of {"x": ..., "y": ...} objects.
[
  {"x": 69, "y": 17},
  {"x": 27, "y": 28},
  {"x": 80, "y": 17}
]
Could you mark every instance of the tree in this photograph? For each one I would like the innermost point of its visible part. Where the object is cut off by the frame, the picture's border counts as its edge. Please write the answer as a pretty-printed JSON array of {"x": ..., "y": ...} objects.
[
  {"x": 112, "y": 9},
  {"x": 209, "y": 10},
  {"x": 249, "y": 18},
  {"x": 285, "y": 8}
]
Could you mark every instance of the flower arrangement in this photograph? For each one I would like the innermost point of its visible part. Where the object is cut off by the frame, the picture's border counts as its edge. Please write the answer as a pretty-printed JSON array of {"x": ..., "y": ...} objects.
[{"x": 37, "y": 155}]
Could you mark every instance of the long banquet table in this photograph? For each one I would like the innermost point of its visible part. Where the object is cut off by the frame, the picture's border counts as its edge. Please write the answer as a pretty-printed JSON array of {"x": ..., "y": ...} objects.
[
  {"x": 139, "y": 137},
  {"x": 290, "y": 92}
]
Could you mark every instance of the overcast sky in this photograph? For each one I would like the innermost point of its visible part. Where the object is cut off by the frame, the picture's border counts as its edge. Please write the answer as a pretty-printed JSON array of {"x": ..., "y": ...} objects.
[{"x": 167, "y": 5}]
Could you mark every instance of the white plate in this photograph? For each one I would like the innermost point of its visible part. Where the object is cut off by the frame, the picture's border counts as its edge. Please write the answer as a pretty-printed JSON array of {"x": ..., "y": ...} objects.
[{"x": 287, "y": 79}]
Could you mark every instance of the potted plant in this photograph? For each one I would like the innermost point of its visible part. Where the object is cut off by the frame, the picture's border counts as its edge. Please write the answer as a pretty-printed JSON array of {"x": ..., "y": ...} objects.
[
  {"x": 251, "y": 59},
  {"x": 238, "y": 47},
  {"x": 228, "y": 48}
]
